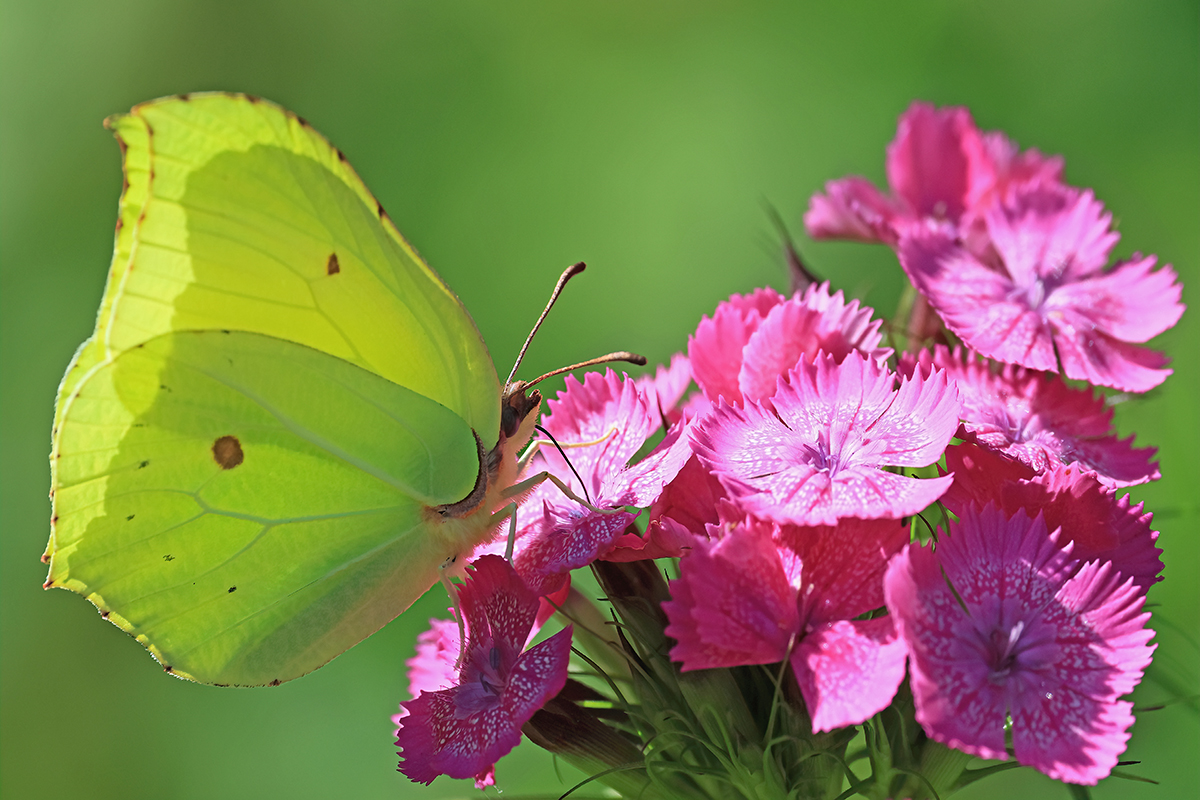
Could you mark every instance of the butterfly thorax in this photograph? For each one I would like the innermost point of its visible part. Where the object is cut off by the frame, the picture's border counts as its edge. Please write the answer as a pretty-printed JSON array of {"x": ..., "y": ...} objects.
[{"x": 469, "y": 519}]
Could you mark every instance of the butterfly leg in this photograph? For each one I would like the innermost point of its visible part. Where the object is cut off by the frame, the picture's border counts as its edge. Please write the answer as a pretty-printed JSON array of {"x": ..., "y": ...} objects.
[
  {"x": 517, "y": 489},
  {"x": 444, "y": 572}
]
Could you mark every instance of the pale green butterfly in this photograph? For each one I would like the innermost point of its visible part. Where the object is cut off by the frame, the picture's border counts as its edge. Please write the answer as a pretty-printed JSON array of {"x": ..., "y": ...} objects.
[{"x": 284, "y": 423}]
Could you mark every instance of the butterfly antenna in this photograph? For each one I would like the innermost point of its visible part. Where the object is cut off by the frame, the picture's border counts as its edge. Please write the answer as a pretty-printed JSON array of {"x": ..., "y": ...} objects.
[
  {"x": 574, "y": 471},
  {"x": 568, "y": 273},
  {"x": 620, "y": 355}
]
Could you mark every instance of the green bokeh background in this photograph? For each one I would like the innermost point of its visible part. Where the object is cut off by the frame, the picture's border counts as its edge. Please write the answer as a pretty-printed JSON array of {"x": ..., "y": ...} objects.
[{"x": 508, "y": 139}]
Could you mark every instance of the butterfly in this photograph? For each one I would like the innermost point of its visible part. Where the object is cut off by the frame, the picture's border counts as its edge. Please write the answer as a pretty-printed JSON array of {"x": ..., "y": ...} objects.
[{"x": 285, "y": 423}]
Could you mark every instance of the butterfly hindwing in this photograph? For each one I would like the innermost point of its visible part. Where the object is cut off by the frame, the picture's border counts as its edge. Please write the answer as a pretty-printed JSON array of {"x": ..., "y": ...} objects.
[{"x": 249, "y": 508}]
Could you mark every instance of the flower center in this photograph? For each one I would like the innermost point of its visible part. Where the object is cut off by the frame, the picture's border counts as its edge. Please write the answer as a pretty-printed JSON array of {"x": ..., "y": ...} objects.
[
  {"x": 1003, "y": 652},
  {"x": 820, "y": 456}
]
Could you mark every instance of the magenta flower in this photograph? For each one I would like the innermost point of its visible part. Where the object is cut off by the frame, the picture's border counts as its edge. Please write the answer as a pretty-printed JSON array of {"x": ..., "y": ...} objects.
[
  {"x": 1087, "y": 512},
  {"x": 816, "y": 451},
  {"x": 602, "y": 423},
  {"x": 939, "y": 167},
  {"x": 1025, "y": 632},
  {"x": 742, "y": 351},
  {"x": 760, "y": 594},
  {"x": 1037, "y": 419},
  {"x": 1049, "y": 301},
  {"x": 462, "y": 731}
]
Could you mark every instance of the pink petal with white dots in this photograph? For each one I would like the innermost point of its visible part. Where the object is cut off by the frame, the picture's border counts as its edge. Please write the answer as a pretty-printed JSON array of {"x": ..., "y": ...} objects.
[{"x": 848, "y": 671}]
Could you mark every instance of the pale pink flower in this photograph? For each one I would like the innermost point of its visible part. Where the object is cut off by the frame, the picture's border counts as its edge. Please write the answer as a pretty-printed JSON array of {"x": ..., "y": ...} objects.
[
  {"x": 939, "y": 167},
  {"x": 761, "y": 593},
  {"x": 816, "y": 451},
  {"x": 1037, "y": 419},
  {"x": 1089, "y": 513},
  {"x": 751, "y": 341},
  {"x": 434, "y": 665},
  {"x": 601, "y": 423},
  {"x": 668, "y": 385},
  {"x": 687, "y": 505},
  {"x": 463, "y": 730},
  {"x": 1048, "y": 300},
  {"x": 1026, "y": 633}
]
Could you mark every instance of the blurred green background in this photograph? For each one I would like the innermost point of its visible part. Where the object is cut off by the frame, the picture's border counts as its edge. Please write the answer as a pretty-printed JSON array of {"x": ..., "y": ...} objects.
[{"x": 508, "y": 140}]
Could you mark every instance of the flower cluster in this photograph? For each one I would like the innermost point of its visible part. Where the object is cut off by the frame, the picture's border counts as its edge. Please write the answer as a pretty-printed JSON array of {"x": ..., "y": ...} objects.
[{"x": 911, "y": 537}]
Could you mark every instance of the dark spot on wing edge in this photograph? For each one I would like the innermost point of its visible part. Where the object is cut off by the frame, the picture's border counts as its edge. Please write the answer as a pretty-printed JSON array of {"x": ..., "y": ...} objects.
[
  {"x": 227, "y": 452},
  {"x": 275, "y": 682},
  {"x": 332, "y": 267}
]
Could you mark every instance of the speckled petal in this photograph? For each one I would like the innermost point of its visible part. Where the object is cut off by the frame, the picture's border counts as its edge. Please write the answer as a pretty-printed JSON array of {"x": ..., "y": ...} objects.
[{"x": 848, "y": 671}]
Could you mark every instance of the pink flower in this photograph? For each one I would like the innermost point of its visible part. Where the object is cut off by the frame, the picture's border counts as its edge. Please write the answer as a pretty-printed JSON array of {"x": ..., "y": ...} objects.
[
  {"x": 751, "y": 341},
  {"x": 1049, "y": 299},
  {"x": 601, "y": 423},
  {"x": 668, "y": 385},
  {"x": 684, "y": 510},
  {"x": 760, "y": 594},
  {"x": 803, "y": 328},
  {"x": 715, "y": 349},
  {"x": 816, "y": 451},
  {"x": 463, "y": 730},
  {"x": 1037, "y": 419},
  {"x": 434, "y": 665},
  {"x": 1088, "y": 512},
  {"x": 939, "y": 167},
  {"x": 1025, "y": 631}
]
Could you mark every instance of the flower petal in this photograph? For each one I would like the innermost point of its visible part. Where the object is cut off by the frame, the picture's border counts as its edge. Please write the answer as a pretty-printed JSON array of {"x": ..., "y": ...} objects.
[
  {"x": 803, "y": 327},
  {"x": 979, "y": 304},
  {"x": 851, "y": 208},
  {"x": 668, "y": 384},
  {"x": 1051, "y": 231},
  {"x": 715, "y": 349},
  {"x": 732, "y": 604},
  {"x": 848, "y": 671},
  {"x": 937, "y": 155},
  {"x": 1036, "y": 418},
  {"x": 843, "y": 565}
]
